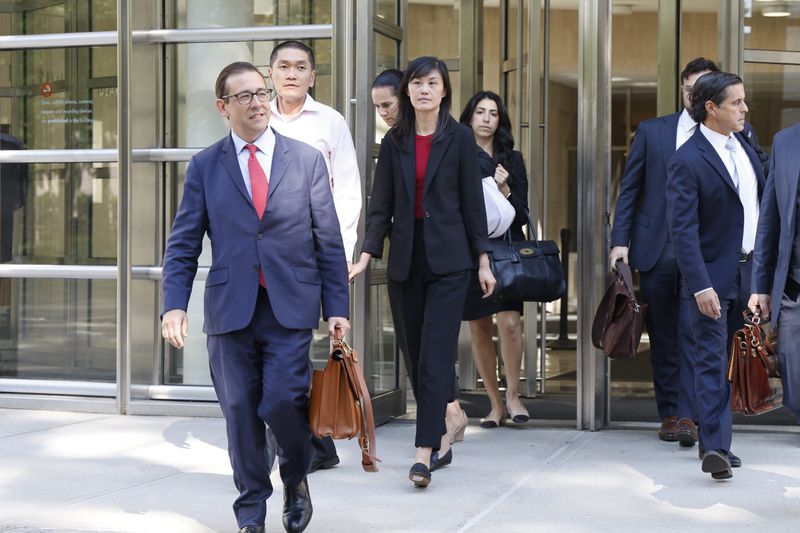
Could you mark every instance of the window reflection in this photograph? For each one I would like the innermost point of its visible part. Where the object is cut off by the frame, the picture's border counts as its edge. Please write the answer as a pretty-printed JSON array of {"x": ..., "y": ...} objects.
[{"x": 58, "y": 329}]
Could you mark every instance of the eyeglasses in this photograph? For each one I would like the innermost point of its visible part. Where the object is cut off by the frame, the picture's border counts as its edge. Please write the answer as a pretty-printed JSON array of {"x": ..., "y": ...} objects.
[{"x": 246, "y": 97}]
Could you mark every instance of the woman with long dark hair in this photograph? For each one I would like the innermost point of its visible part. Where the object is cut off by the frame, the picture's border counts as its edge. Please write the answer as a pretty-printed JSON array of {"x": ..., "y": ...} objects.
[
  {"x": 385, "y": 90},
  {"x": 427, "y": 198},
  {"x": 486, "y": 114}
]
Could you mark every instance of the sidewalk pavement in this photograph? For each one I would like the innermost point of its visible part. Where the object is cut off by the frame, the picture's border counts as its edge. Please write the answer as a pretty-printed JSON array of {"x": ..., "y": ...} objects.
[{"x": 77, "y": 472}]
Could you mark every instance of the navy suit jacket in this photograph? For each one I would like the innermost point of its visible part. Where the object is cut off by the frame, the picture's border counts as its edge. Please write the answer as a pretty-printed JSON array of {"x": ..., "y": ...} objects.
[
  {"x": 297, "y": 242},
  {"x": 639, "y": 218},
  {"x": 776, "y": 223},
  {"x": 705, "y": 215}
]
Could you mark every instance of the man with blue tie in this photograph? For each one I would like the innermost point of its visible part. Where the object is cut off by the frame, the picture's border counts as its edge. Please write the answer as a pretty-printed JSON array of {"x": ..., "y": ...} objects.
[
  {"x": 776, "y": 259},
  {"x": 266, "y": 205},
  {"x": 714, "y": 182},
  {"x": 640, "y": 222}
]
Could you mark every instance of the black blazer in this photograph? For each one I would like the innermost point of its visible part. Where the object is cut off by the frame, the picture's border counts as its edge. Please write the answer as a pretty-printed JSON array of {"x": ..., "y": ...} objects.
[
  {"x": 517, "y": 183},
  {"x": 455, "y": 219}
]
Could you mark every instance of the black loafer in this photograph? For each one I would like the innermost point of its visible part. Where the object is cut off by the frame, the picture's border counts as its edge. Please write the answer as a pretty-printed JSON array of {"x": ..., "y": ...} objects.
[
  {"x": 252, "y": 529},
  {"x": 297, "y": 509},
  {"x": 438, "y": 462},
  {"x": 734, "y": 459},
  {"x": 323, "y": 463},
  {"x": 420, "y": 475},
  {"x": 717, "y": 464}
]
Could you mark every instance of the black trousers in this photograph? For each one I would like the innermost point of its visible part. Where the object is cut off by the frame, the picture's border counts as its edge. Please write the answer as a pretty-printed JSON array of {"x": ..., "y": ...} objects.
[{"x": 427, "y": 310}]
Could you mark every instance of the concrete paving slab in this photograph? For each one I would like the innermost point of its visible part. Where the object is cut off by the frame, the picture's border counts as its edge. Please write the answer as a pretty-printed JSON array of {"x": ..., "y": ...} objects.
[{"x": 74, "y": 473}]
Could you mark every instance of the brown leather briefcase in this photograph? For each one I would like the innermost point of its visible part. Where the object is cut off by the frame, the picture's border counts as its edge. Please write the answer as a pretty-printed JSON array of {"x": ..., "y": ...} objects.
[
  {"x": 753, "y": 372},
  {"x": 619, "y": 320},
  {"x": 340, "y": 406}
]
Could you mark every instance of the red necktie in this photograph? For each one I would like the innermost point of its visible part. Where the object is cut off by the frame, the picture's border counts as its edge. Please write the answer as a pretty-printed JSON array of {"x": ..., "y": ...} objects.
[{"x": 259, "y": 187}]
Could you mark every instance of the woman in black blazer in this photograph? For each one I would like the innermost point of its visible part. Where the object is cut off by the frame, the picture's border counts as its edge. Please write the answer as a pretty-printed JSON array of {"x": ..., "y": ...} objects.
[
  {"x": 488, "y": 118},
  {"x": 427, "y": 198}
]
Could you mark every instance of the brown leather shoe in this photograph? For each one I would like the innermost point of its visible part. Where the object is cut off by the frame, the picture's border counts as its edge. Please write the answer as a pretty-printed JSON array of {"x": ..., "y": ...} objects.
[
  {"x": 669, "y": 429},
  {"x": 687, "y": 432}
]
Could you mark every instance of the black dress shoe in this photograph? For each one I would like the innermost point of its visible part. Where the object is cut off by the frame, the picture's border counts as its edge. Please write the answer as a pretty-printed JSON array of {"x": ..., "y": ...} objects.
[
  {"x": 323, "y": 463},
  {"x": 438, "y": 462},
  {"x": 420, "y": 475},
  {"x": 716, "y": 463},
  {"x": 297, "y": 507},
  {"x": 252, "y": 529},
  {"x": 734, "y": 459}
]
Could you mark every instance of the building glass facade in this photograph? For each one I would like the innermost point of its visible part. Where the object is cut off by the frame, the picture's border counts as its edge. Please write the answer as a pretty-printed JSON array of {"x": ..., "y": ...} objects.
[{"x": 103, "y": 102}]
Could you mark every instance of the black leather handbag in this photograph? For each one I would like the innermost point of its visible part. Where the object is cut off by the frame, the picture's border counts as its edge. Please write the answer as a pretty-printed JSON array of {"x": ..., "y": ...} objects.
[{"x": 529, "y": 271}]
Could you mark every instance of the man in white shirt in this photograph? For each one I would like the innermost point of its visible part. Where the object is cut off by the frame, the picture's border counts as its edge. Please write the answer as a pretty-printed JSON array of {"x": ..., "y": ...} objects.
[
  {"x": 713, "y": 186},
  {"x": 640, "y": 222},
  {"x": 297, "y": 115}
]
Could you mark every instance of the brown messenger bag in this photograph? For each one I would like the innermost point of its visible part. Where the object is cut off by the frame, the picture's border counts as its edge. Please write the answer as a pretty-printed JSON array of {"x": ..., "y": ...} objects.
[
  {"x": 619, "y": 320},
  {"x": 340, "y": 406},
  {"x": 753, "y": 370}
]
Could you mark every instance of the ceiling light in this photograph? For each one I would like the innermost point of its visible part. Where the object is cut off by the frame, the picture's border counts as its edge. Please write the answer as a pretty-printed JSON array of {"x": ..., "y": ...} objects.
[{"x": 775, "y": 11}]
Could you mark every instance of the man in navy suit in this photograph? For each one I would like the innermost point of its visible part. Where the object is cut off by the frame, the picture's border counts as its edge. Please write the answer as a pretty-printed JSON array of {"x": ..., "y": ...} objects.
[
  {"x": 266, "y": 205},
  {"x": 776, "y": 260},
  {"x": 713, "y": 186},
  {"x": 640, "y": 222}
]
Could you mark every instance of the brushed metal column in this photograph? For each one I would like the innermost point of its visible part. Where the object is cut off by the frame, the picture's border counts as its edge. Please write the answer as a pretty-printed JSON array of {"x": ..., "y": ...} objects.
[
  {"x": 124, "y": 151},
  {"x": 594, "y": 171}
]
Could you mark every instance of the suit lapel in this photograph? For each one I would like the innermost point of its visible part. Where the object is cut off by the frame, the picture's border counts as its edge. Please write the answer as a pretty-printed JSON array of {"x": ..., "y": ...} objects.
[
  {"x": 669, "y": 137},
  {"x": 710, "y": 155},
  {"x": 438, "y": 149},
  {"x": 408, "y": 165},
  {"x": 279, "y": 164},
  {"x": 792, "y": 166},
  {"x": 231, "y": 163}
]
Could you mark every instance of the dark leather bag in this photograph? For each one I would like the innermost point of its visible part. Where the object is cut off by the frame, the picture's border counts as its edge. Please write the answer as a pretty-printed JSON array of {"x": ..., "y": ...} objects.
[
  {"x": 753, "y": 370},
  {"x": 340, "y": 405},
  {"x": 619, "y": 320},
  {"x": 528, "y": 271}
]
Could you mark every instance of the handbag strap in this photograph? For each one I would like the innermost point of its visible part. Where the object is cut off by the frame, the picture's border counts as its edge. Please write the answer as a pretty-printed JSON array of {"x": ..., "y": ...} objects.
[
  {"x": 367, "y": 442},
  {"x": 531, "y": 230}
]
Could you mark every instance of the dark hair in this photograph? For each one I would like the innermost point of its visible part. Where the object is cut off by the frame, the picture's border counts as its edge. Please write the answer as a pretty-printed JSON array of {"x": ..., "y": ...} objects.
[
  {"x": 503, "y": 141},
  {"x": 406, "y": 117},
  {"x": 297, "y": 45},
  {"x": 698, "y": 64},
  {"x": 231, "y": 70},
  {"x": 391, "y": 78},
  {"x": 712, "y": 86}
]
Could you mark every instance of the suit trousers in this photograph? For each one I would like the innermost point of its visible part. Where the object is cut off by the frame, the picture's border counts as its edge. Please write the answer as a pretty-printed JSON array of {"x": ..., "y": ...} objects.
[
  {"x": 659, "y": 288},
  {"x": 788, "y": 345},
  {"x": 427, "y": 310},
  {"x": 261, "y": 374},
  {"x": 709, "y": 361}
]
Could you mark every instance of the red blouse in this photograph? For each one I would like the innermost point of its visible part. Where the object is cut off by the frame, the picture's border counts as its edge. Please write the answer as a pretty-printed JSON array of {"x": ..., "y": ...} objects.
[{"x": 423, "y": 151}]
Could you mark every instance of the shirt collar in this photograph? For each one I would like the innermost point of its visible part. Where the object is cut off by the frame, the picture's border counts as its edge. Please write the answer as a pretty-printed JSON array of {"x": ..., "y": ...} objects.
[
  {"x": 309, "y": 105},
  {"x": 686, "y": 122},
  {"x": 264, "y": 142},
  {"x": 717, "y": 140}
]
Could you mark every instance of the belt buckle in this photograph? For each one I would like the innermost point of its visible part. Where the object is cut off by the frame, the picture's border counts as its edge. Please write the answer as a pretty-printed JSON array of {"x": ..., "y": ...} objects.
[{"x": 744, "y": 257}]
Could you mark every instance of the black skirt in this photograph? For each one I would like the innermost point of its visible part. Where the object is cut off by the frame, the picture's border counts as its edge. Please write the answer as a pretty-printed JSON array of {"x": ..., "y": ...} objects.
[{"x": 476, "y": 306}]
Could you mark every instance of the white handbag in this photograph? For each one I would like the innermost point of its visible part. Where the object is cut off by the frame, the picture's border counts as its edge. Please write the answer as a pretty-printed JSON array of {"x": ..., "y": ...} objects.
[{"x": 499, "y": 211}]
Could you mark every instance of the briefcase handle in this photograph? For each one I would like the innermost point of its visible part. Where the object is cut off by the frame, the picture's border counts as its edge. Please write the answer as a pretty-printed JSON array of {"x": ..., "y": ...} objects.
[{"x": 624, "y": 272}]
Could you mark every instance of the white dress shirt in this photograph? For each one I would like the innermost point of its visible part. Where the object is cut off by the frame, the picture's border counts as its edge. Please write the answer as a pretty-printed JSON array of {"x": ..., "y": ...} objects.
[
  {"x": 266, "y": 147},
  {"x": 325, "y": 129},
  {"x": 747, "y": 185},
  {"x": 686, "y": 127}
]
